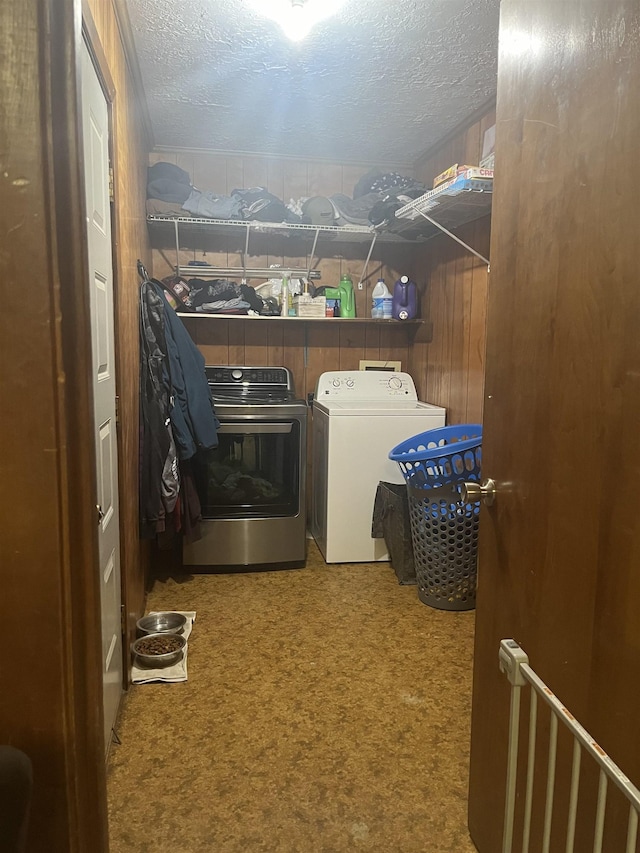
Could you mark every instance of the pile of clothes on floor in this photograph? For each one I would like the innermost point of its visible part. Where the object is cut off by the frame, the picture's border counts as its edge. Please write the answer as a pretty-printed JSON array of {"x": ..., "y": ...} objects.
[{"x": 376, "y": 198}]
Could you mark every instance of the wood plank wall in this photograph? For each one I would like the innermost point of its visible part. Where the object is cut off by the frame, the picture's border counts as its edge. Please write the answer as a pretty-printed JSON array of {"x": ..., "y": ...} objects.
[
  {"x": 306, "y": 349},
  {"x": 131, "y": 239},
  {"x": 449, "y": 369}
]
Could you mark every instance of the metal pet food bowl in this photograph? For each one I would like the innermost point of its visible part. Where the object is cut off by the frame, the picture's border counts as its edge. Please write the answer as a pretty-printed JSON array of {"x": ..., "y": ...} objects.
[
  {"x": 167, "y": 622},
  {"x": 157, "y": 651}
]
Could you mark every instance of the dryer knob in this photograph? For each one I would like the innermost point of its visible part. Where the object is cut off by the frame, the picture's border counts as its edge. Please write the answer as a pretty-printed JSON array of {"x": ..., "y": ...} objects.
[
  {"x": 236, "y": 374},
  {"x": 395, "y": 382},
  {"x": 349, "y": 383},
  {"x": 335, "y": 383}
]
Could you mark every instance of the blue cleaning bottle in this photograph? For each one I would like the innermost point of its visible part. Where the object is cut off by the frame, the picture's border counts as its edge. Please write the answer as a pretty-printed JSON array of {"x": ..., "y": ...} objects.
[{"x": 405, "y": 299}]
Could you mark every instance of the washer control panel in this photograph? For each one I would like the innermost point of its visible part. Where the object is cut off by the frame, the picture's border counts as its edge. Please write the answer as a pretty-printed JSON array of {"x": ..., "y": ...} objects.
[{"x": 365, "y": 385}]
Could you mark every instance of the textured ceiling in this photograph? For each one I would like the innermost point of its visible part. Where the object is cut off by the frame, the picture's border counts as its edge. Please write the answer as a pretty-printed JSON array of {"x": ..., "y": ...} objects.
[{"x": 382, "y": 81}]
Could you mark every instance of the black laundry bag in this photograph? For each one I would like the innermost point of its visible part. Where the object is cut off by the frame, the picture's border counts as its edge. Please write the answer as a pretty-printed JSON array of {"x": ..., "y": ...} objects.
[{"x": 391, "y": 521}]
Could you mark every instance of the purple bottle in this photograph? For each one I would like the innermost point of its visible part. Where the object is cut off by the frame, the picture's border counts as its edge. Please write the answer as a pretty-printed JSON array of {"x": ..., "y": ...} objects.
[{"x": 405, "y": 299}]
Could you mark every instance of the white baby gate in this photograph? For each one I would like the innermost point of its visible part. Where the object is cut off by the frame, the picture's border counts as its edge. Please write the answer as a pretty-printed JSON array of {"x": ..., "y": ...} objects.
[{"x": 515, "y": 664}]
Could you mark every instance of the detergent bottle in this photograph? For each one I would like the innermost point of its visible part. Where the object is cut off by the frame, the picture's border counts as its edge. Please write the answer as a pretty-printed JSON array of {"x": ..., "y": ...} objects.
[
  {"x": 347, "y": 297},
  {"x": 405, "y": 299},
  {"x": 378, "y": 295}
]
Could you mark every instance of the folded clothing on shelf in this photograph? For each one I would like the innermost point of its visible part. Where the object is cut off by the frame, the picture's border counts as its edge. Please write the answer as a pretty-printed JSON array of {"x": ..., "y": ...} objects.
[{"x": 168, "y": 182}]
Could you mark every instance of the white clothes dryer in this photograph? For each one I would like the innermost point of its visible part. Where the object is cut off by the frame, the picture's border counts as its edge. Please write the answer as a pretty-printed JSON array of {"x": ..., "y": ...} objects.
[{"x": 358, "y": 417}]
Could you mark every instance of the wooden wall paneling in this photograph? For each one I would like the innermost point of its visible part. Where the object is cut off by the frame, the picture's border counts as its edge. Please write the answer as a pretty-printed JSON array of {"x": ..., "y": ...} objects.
[
  {"x": 330, "y": 268},
  {"x": 417, "y": 359},
  {"x": 275, "y": 343},
  {"x": 450, "y": 253},
  {"x": 461, "y": 308},
  {"x": 209, "y": 172},
  {"x": 255, "y": 342},
  {"x": 351, "y": 174},
  {"x": 275, "y": 178},
  {"x": 294, "y": 338},
  {"x": 235, "y": 173},
  {"x": 323, "y": 350},
  {"x": 440, "y": 162},
  {"x": 472, "y": 145},
  {"x": 460, "y": 147},
  {"x": 163, "y": 157},
  {"x": 212, "y": 338},
  {"x": 324, "y": 178},
  {"x": 255, "y": 172},
  {"x": 164, "y": 259},
  {"x": 434, "y": 352},
  {"x": 352, "y": 346},
  {"x": 372, "y": 343},
  {"x": 295, "y": 180},
  {"x": 394, "y": 345},
  {"x": 477, "y": 325},
  {"x": 236, "y": 339}
]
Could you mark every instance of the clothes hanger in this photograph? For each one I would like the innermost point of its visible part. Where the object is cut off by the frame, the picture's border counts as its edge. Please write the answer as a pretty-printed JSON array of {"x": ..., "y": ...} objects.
[{"x": 142, "y": 271}]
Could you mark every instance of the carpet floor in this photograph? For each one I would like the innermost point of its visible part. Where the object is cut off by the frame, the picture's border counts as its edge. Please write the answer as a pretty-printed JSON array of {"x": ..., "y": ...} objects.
[{"x": 327, "y": 710}]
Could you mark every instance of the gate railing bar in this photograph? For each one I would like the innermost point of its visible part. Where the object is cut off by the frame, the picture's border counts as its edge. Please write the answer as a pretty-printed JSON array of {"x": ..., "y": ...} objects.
[
  {"x": 551, "y": 784},
  {"x": 573, "y": 795},
  {"x": 514, "y": 662},
  {"x": 531, "y": 763}
]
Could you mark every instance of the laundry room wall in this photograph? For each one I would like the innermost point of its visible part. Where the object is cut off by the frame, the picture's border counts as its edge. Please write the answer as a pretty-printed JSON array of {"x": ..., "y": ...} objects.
[
  {"x": 108, "y": 31},
  {"x": 307, "y": 349},
  {"x": 447, "y": 363}
]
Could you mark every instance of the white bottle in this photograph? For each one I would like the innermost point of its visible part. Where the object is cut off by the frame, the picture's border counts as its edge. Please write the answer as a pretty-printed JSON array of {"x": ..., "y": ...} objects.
[
  {"x": 284, "y": 304},
  {"x": 379, "y": 293}
]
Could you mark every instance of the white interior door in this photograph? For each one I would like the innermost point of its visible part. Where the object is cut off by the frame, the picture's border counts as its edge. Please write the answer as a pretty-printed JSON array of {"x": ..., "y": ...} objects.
[{"x": 95, "y": 120}]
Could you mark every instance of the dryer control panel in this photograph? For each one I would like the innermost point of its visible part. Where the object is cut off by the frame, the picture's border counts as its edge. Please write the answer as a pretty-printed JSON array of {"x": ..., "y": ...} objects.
[{"x": 369, "y": 385}]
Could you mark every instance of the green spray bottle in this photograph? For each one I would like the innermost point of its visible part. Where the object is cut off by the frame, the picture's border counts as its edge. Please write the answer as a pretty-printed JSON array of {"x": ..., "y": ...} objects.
[{"x": 347, "y": 296}]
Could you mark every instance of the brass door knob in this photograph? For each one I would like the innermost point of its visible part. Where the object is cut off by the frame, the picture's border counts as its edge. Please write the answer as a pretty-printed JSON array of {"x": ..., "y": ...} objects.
[{"x": 473, "y": 492}]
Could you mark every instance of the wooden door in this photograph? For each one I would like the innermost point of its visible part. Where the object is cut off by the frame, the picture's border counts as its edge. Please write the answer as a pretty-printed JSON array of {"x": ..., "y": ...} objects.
[{"x": 559, "y": 565}]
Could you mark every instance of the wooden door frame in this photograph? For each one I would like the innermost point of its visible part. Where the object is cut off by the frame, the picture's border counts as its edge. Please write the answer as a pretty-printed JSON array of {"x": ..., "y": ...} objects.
[
  {"x": 87, "y": 777},
  {"x": 52, "y": 593}
]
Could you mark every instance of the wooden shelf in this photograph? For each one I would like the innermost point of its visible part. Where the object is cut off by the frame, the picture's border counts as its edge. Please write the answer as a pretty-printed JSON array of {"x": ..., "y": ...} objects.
[{"x": 201, "y": 315}]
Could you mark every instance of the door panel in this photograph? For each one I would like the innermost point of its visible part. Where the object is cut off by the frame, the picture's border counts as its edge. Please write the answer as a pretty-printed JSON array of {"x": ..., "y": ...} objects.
[
  {"x": 96, "y": 151},
  {"x": 559, "y": 550}
]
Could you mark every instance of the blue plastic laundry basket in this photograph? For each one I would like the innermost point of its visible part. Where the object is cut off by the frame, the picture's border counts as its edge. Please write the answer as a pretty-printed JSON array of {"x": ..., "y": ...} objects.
[
  {"x": 447, "y": 455},
  {"x": 444, "y": 529}
]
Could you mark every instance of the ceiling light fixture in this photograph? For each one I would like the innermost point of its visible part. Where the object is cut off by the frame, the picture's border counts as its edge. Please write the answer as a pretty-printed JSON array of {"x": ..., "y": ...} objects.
[{"x": 297, "y": 17}]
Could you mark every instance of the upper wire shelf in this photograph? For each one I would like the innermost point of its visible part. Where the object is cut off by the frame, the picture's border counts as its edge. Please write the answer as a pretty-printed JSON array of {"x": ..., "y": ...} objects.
[
  {"x": 337, "y": 233},
  {"x": 467, "y": 197}
]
